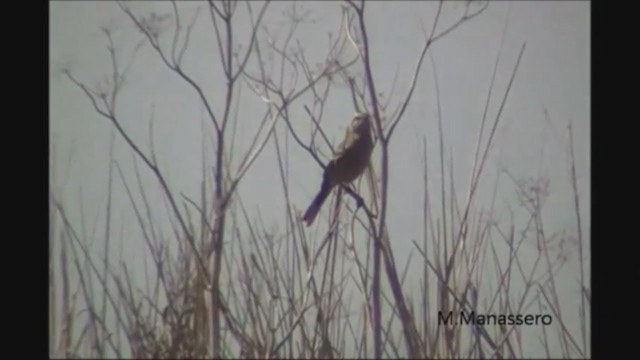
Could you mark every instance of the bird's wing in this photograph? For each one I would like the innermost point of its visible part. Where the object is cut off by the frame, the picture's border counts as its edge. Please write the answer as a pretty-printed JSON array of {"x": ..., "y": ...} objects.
[{"x": 347, "y": 142}]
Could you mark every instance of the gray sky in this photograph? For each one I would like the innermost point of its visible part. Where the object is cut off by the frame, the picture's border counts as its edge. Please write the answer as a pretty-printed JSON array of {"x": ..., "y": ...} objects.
[{"x": 554, "y": 75}]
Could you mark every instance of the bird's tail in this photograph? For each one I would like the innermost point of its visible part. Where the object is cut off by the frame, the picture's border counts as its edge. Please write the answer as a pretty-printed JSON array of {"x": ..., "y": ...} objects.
[{"x": 314, "y": 208}]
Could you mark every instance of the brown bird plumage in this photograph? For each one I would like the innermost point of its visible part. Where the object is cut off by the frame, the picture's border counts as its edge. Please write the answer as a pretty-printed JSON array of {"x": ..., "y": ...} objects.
[{"x": 348, "y": 163}]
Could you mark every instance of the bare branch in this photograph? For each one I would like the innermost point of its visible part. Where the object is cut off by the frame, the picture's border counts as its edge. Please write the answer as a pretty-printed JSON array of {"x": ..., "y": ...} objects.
[
  {"x": 416, "y": 72},
  {"x": 173, "y": 66}
]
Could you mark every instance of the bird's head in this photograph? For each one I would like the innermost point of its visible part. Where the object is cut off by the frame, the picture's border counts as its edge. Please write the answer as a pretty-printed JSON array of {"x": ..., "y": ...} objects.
[{"x": 361, "y": 122}]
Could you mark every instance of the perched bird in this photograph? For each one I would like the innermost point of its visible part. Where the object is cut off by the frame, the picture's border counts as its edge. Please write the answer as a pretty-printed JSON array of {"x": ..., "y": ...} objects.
[{"x": 348, "y": 163}]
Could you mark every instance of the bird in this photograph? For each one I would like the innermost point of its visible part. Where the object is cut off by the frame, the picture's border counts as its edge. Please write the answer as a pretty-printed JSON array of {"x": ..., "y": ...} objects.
[{"x": 347, "y": 164}]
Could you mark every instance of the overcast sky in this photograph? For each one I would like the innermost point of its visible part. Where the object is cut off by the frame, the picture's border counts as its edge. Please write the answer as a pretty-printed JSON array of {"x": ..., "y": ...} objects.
[{"x": 554, "y": 76}]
